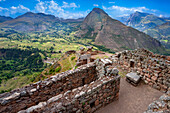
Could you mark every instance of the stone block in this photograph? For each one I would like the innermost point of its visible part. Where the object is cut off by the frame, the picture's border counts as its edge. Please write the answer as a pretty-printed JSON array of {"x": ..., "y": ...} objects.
[
  {"x": 154, "y": 78},
  {"x": 133, "y": 77}
]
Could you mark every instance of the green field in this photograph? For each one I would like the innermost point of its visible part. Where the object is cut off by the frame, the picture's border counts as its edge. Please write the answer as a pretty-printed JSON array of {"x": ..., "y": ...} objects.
[{"x": 52, "y": 44}]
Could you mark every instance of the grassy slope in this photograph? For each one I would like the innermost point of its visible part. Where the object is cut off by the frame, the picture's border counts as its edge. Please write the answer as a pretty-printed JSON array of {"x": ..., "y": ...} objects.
[
  {"x": 66, "y": 63},
  {"x": 18, "y": 82}
]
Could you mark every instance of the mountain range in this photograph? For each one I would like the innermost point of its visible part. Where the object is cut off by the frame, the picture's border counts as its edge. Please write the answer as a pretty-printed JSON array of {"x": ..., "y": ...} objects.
[
  {"x": 30, "y": 22},
  {"x": 113, "y": 34},
  {"x": 143, "y": 21},
  {"x": 97, "y": 25},
  {"x": 156, "y": 27}
]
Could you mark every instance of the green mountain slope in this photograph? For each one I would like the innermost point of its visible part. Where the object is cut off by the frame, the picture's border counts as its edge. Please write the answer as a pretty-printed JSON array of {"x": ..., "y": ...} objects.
[
  {"x": 162, "y": 33},
  {"x": 31, "y": 22}
]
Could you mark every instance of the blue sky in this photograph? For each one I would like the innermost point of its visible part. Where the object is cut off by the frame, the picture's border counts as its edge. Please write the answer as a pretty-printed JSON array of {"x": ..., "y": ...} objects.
[{"x": 80, "y": 8}]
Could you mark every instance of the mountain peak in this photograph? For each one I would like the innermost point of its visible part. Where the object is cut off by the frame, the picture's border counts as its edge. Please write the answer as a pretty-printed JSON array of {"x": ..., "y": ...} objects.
[
  {"x": 36, "y": 15},
  {"x": 137, "y": 13},
  {"x": 112, "y": 34},
  {"x": 96, "y": 16},
  {"x": 98, "y": 10}
]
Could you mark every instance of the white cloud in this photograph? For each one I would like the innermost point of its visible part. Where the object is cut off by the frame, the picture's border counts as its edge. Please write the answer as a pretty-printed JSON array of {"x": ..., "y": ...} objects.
[
  {"x": 13, "y": 10},
  {"x": 41, "y": 7},
  {"x": 96, "y": 5},
  {"x": 70, "y": 15},
  {"x": 71, "y": 5},
  {"x": 118, "y": 11},
  {"x": 2, "y": 0},
  {"x": 18, "y": 9},
  {"x": 114, "y": 7},
  {"x": 65, "y": 10},
  {"x": 161, "y": 16},
  {"x": 54, "y": 7},
  {"x": 1, "y": 9},
  {"x": 104, "y": 7}
]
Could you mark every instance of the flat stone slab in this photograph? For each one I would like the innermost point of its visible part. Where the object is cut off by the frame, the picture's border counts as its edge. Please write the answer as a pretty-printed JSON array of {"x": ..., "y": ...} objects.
[
  {"x": 133, "y": 77},
  {"x": 106, "y": 61}
]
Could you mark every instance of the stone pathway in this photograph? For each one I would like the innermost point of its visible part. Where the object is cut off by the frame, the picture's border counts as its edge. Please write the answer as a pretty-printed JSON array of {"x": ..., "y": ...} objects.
[{"x": 132, "y": 99}]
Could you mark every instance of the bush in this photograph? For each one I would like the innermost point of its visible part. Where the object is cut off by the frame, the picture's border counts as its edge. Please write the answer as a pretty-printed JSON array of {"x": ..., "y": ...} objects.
[
  {"x": 72, "y": 58},
  {"x": 58, "y": 69},
  {"x": 51, "y": 71},
  {"x": 76, "y": 67}
]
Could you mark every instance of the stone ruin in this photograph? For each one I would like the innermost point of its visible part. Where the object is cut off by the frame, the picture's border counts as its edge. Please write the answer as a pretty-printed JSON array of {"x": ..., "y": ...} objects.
[
  {"x": 161, "y": 105},
  {"x": 92, "y": 86},
  {"x": 85, "y": 57},
  {"x": 153, "y": 69},
  {"x": 81, "y": 90}
]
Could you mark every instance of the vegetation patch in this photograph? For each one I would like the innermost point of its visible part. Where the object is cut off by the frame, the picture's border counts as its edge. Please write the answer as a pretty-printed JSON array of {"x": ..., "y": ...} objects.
[
  {"x": 19, "y": 81},
  {"x": 72, "y": 58},
  {"x": 58, "y": 69}
]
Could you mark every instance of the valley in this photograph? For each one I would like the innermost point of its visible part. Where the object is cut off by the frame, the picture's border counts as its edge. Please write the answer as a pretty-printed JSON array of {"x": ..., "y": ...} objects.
[
  {"x": 75, "y": 56},
  {"x": 51, "y": 37}
]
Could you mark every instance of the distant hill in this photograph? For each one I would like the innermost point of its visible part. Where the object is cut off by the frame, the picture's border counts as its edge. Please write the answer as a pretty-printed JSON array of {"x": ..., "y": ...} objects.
[
  {"x": 29, "y": 22},
  {"x": 143, "y": 21},
  {"x": 162, "y": 33},
  {"x": 113, "y": 34},
  {"x": 73, "y": 20},
  {"x": 156, "y": 27},
  {"x": 4, "y": 18}
]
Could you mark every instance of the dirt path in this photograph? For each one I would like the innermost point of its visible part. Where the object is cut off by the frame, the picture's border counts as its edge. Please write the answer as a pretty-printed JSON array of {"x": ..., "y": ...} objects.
[
  {"x": 132, "y": 99},
  {"x": 101, "y": 55}
]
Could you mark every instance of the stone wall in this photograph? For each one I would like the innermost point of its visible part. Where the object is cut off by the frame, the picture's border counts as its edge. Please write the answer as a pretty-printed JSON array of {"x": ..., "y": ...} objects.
[
  {"x": 162, "y": 105},
  {"x": 65, "y": 91},
  {"x": 41, "y": 91},
  {"x": 154, "y": 69},
  {"x": 86, "y": 99}
]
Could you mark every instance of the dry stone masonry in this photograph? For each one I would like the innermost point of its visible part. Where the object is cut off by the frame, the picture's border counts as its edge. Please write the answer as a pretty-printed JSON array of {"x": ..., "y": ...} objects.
[
  {"x": 133, "y": 78},
  {"x": 162, "y": 105},
  {"x": 80, "y": 90},
  {"x": 152, "y": 68},
  {"x": 93, "y": 85}
]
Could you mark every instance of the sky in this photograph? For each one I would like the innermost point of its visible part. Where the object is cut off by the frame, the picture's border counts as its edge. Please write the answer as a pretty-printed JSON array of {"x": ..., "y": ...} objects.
[{"x": 80, "y": 8}]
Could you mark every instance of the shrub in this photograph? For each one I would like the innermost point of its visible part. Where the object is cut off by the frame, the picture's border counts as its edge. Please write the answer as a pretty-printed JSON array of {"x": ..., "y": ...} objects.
[
  {"x": 58, "y": 69},
  {"x": 76, "y": 67},
  {"x": 72, "y": 58},
  {"x": 51, "y": 71}
]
